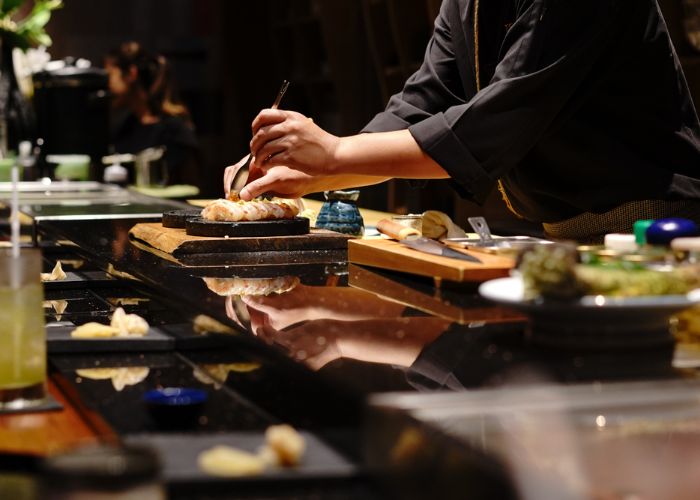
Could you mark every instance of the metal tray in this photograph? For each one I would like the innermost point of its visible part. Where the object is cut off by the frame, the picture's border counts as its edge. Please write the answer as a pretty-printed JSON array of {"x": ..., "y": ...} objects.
[{"x": 497, "y": 245}]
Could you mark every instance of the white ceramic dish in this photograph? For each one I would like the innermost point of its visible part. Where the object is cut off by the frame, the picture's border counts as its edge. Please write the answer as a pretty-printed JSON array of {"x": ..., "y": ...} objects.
[{"x": 593, "y": 321}]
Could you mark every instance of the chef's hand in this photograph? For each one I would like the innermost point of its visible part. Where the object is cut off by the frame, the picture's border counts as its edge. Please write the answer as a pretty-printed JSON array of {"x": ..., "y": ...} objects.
[
  {"x": 230, "y": 174},
  {"x": 280, "y": 181},
  {"x": 315, "y": 343},
  {"x": 232, "y": 170},
  {"x": 304, "y": 303},
  {"x": 290, "y": 139}
]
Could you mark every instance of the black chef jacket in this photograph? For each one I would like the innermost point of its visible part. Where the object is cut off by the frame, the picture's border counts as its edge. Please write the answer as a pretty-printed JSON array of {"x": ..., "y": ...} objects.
[{"x": 583, "y": 105}]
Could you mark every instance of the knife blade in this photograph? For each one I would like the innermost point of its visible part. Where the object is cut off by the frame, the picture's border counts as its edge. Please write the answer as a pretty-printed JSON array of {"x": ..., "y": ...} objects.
[
  {"x": 411, "y": 238},
  {"x": 426, "y": 245}
]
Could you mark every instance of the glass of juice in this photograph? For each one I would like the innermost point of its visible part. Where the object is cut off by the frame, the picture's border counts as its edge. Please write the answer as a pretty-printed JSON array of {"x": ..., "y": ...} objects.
[{"x": 22, "y": 332}]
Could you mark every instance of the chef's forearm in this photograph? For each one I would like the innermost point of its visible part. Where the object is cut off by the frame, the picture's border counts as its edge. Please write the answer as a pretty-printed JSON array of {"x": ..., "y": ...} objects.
[
  {"x": 335, "y": 182},
  {"x": 384, "y": 154}
]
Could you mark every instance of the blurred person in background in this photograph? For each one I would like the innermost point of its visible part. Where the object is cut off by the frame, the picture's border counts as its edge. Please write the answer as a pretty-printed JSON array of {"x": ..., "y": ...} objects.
[{"x": 145, "y": 113}]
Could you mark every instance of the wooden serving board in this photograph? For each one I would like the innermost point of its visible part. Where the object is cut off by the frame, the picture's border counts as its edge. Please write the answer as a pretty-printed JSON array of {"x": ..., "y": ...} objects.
[
  {"x": 474, "y": 309},
  {"x": 176, "y": 242},
  {"x": 390, "y": 254}
]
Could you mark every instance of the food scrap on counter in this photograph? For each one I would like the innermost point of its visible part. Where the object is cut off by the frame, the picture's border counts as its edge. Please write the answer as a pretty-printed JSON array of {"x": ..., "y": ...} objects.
[
  {"x": 283, "y": 447},
  {"x": 56, "y": 274},
  {"x": 122, "y": 325}
]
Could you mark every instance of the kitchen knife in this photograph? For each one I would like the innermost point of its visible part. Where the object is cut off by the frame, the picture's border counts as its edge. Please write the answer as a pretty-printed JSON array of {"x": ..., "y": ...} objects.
[
  {"x": 411, "y": 238},
  {"x": 427, "y": 245}
]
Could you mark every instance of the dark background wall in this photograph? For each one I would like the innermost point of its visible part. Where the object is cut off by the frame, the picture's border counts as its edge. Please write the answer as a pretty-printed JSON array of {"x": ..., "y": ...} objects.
[{"x": 343, "y": 57}]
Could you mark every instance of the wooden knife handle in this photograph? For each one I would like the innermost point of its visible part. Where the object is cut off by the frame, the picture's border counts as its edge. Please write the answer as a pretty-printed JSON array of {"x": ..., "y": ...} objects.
[{"x": 395, "y": 230}]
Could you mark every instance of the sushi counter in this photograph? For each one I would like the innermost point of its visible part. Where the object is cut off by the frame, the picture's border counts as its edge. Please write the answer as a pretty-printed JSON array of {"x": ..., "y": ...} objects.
[{"x": 397, "y": 384}]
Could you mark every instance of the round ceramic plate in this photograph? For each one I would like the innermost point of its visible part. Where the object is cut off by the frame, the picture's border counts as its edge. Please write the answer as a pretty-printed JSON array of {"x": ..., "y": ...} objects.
[{"x": 593, "y": 321}]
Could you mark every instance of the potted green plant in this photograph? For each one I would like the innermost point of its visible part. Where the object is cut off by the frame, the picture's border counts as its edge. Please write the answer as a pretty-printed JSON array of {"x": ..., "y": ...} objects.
[{"x": 22, "y": 26}]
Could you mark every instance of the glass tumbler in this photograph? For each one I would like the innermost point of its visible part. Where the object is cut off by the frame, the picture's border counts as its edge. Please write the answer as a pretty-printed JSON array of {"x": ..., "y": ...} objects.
[{"x": 22, "y": 332}]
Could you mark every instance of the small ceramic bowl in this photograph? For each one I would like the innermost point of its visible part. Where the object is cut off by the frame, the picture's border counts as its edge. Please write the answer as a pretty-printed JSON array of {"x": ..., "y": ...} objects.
[{"x": 175, "y": 407}]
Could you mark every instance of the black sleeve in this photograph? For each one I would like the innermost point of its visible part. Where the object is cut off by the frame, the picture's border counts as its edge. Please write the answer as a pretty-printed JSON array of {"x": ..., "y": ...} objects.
[
  {"x": 466, "y": 356},
  {"x": 436, "y": 86},
  {"x": 547, "y": 54}
]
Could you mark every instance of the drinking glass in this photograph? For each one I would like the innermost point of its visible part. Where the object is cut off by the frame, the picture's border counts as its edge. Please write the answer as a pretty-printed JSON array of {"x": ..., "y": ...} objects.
[{"x": 22, "y": 333}]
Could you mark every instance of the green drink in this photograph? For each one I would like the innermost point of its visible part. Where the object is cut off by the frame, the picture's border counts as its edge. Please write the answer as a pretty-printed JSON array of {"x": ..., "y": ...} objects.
[{"x": 22, "y": 332}]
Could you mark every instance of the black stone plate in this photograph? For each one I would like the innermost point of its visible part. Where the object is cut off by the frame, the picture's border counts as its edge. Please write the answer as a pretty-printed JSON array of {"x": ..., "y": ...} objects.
[
  {"x": 59, "y": 340},
  {"x": 179, "y": 453},
  {"x": 280, "y": 227},
  {"x": 178, "y": 218}
]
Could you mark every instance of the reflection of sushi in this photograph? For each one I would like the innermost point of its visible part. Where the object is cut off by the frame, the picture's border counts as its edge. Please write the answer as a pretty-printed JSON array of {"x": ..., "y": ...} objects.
[
  {"x": 234, "y": 211},
  {"x": 206, "y": 324},
  {"x": 56, "y": 274},
  {"x": 59, "y": 306},
  {"x": 215, "y": 373},
  {"x": 251, "y": 286},
  {"x": 121, "y": 377}
]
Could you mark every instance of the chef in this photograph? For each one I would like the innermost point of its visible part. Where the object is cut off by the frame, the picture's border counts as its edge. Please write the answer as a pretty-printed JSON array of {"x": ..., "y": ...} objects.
[{"x": 576, "y": 110}]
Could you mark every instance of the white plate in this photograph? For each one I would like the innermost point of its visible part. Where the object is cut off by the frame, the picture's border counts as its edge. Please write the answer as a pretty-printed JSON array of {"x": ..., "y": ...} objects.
[
  {"x": 511, "y": 291},
  {"x": 594, "y": 321}
]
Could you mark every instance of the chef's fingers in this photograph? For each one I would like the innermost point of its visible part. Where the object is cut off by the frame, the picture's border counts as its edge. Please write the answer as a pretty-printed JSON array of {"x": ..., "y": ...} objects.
[
  {"x": 230, "y": 174},
  {"x": 272, "y": 155},
  {"x": 257, "y": 188},
  {"x": 258, "y": 320},
  {"x": 267, "y": 134},
  {"x": 269, "y": 117},
  {"x": 267, "y": 333},
  {"x": 231, "y": 312},
  {"x": 253, "y": 301},
  {"x": 271, "y": 187},
  {"x": 254, "y": 173}
]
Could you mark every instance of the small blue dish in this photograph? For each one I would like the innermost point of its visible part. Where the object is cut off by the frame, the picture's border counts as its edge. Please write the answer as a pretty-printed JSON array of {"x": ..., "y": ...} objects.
[
  {"x": 662, "y": 231},
  {"x": 175, "y": 407}
]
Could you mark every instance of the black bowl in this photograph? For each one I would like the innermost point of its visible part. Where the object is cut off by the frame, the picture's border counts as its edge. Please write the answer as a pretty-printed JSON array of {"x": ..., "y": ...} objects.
[{"x": 175, "y": 407}]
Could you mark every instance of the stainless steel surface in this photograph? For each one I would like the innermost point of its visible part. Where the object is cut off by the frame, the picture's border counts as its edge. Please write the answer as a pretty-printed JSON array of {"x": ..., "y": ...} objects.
[
  {"x": 47, "y": 192},
  {"x": 508, "y": 244},
  {"x": 149, "y": 166},
  {"x": 482, "y": 229},
  {"x": 144, "y": 215},
  {"x": 486, "y": 242}
]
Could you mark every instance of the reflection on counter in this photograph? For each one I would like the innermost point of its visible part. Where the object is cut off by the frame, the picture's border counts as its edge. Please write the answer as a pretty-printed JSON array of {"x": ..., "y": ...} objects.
[{"x": 120, "y": 377}]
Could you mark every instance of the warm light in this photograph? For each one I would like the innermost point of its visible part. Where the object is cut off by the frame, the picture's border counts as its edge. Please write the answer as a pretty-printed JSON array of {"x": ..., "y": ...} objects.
[
  {"x": 599, "y": 300},
  {"x": 600, "y": 421}
]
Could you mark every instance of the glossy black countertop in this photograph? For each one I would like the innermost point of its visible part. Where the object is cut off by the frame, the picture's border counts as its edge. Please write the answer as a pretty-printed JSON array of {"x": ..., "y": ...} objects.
[
  {"x": 314, "y": 354},
  {"x": 367, "y": 329}
]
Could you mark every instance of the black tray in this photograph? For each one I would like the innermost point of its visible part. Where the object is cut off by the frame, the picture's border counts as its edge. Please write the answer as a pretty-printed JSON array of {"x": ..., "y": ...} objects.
[
  {"x": 280, "y": 227},
  {"x": 178, "y": 218},
  {"x": 178, "y": 453},
  {"x": 84, "y": 279},
  {"x": 58, "y": 340}
]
